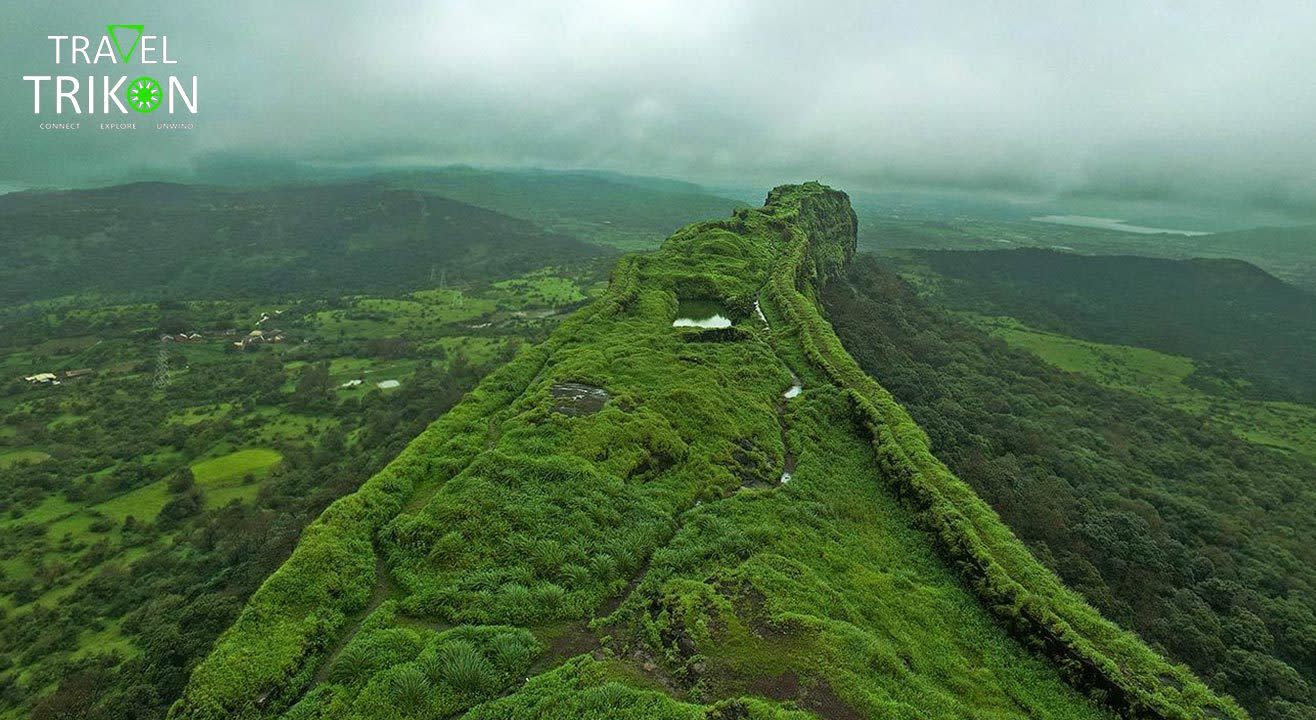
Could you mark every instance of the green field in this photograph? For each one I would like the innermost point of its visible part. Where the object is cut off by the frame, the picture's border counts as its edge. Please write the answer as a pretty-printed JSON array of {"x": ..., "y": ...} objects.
[
  {"x": 14, "y": 457},
  {"x": 143, "y": 503},
  {"x": 1282, "y": 425},
  {"x": 233, "y": 476},
  {"x": 542, "y": 289}
]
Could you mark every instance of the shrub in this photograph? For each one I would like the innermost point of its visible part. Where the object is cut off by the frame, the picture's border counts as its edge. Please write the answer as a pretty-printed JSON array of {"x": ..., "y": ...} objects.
[
  {"x": 349, "y": 665},
  {"x": 464, "y": 669},
  {"x": 509, "y": 651},
  {"x": 410, "y": 688}
]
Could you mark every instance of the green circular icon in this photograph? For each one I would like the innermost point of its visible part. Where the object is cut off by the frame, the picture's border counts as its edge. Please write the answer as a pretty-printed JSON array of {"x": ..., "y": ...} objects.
[{"x": 144, "y": 94}]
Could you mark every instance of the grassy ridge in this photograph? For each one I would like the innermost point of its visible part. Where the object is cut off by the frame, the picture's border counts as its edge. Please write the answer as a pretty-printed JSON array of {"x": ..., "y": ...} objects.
[
  {"x": 1096, "y": 655},
  {"x": 330, "y": 575},
  {"x": 741, "y": 595}
]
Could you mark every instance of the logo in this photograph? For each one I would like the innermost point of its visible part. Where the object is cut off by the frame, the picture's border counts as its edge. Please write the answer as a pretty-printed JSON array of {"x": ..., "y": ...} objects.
[
  {"x": 144, "y": 94},
  {"x": 86, "y": 93}
]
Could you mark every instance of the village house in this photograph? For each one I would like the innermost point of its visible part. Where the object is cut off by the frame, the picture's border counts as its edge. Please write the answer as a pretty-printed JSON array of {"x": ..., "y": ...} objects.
[
  {"x": 257, "y": 337},
  {"x": 45, "y": 378}
]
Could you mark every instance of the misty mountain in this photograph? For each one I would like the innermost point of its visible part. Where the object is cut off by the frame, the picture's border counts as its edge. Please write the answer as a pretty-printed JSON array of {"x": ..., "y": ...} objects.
[{"x": 153, "y": 239}]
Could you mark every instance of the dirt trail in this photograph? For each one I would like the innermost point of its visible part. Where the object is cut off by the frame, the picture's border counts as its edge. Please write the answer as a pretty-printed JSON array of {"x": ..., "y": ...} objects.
[{"x": 384, "y": 587}]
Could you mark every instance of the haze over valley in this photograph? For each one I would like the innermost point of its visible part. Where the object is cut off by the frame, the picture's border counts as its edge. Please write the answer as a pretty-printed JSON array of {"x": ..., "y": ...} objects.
[{"x": 658, "y": 361}]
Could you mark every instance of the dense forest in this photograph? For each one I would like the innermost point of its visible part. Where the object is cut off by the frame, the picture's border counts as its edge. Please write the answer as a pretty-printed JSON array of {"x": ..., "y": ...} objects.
[
  {"x": 152, "y": 240},
  {"x": 1238, "y": 321},
  {"x": 1200, "y": 541}
]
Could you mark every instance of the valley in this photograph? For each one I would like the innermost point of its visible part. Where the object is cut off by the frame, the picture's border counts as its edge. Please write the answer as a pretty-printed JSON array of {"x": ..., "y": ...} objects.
[
  {"x": 161, "y": 457},
  {"x": 1163, "y": 493},
  {"x": 671, "y": 360},
  {"x": 642, "y": 558},
  {"x": 653, "y": 486}
]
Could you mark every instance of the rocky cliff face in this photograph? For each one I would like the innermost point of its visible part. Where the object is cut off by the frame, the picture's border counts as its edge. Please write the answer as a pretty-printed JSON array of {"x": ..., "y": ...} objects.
[{"x": 826, "y": 218}]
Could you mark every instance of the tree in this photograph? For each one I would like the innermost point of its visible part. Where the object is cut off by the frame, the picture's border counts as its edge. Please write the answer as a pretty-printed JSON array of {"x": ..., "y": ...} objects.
[{"x": 182, "y": 480}]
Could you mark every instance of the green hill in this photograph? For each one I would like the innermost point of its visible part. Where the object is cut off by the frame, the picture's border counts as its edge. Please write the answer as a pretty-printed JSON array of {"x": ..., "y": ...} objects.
[
  {"x": 1288, "y": 252},
  {"x": 636, "y": 520},
  {"x": 149, "y": 240},
  {"x": 1241, "y": 324},
  {"x": 633, "y": 213}
]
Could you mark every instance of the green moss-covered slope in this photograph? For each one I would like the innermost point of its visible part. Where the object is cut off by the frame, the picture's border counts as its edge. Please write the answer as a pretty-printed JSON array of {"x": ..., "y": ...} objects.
[{"x": 634, "y": 520}]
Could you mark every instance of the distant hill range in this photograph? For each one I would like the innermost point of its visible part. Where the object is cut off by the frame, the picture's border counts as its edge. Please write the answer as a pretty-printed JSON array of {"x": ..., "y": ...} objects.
[
  {"x": 634, "y": 213},
  {"x": 153, "y": 239},
  {"x": 393, "y": 231},
  {"x": 1288, "y": 252},
  {"x": 1238, "y": 320}
]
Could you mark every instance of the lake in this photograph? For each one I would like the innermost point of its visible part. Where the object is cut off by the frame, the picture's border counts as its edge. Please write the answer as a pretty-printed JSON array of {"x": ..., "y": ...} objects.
[{"x": 1111, "y": 224}]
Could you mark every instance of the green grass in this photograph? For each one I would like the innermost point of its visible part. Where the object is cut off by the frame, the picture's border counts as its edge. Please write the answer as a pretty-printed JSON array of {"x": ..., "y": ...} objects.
[
  {"x": 542, "y": 289},
  {"x": 77, "y": 525},
  {"x": 1282, "y": 425},
  {"x": 224, "y": 479},
  {"x": 53, "y": 506},
  {"x": 370, "y": 371},
  {"x": 105, "y": 641},
  {"x": 202, "y": 413},
  {"x": 1123, "y": 366},
  {"x": 143, "y": 503},
  {"x": 829, "y": 593},
  {"x": 270, "y": 425},
  {"x": 63, "y": 420},
  {"x": 14, "y": 457},
  {"x": 827, "y": 577},
  {"x": 428, "y": 313},
  {"x": 234, "y": 466}
]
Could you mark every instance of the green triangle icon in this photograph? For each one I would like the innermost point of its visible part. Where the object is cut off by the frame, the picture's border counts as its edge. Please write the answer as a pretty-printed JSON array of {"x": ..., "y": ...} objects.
[{"x": 110, "y": 30}]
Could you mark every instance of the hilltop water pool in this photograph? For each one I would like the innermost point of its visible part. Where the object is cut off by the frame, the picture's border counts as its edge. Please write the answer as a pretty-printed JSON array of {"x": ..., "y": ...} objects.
[{"x": 701, "y": 314}]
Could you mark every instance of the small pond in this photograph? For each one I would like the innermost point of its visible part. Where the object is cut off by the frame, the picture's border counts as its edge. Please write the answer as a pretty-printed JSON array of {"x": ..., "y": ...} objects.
[
  {"x": 573, "y": 398},
  {"x": 701, "y": 314}
]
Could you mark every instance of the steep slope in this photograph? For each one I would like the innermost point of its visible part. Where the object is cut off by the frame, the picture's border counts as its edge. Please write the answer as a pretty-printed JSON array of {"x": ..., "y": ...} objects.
[
  {"x": 1198, "y": 540},
  {"x": 639, "y": 520}
]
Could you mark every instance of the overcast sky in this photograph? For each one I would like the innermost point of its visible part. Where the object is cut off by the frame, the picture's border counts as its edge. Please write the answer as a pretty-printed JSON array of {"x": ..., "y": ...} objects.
[{"x": 1203, "y": 100}]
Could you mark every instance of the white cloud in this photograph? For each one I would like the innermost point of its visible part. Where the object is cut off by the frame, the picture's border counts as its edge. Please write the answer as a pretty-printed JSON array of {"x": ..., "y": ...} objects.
[{"x": 1200, "y": 99}]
